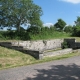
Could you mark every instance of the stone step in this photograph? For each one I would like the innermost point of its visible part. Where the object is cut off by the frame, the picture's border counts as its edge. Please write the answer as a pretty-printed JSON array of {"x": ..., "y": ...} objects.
[{"x": 59, "y": 52}]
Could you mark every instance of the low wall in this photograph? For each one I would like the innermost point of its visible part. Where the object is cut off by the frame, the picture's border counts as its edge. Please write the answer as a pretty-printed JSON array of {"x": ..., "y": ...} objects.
[
  {"x": 72, "y": 43},
  {"x": 59, "y": 52},
  {"x": 41, "y": 55},
  {"x": 37, "y": 48},
  {"x": 77, "y": 44},
  {"x": 39, "y": 45}
]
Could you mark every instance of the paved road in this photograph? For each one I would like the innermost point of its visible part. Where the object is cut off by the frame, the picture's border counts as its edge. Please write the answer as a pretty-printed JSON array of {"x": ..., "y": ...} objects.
[{"x": 66, "y": 69}]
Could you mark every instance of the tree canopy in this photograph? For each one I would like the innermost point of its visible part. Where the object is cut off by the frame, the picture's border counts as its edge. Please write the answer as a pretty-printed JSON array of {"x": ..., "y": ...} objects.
[
  {"x": 76, "y": 28},
  {"x": 60, "y": 24},
  {"x": 68, "y": 29},
  {"x": 14, "y": 13},
  {"x": 77, "y": 22}
]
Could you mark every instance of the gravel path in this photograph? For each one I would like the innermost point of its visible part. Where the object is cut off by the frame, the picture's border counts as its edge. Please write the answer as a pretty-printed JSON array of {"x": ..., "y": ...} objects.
[{"x": 65, "y": 69}]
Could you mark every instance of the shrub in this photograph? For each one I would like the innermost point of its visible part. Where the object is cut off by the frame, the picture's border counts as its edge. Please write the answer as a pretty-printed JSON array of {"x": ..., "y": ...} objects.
[{"x": 64, "y": 45}]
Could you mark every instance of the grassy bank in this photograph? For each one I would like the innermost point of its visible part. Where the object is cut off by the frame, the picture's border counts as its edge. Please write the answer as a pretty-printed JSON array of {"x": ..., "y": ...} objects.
[{"x": 11, "y": 58}]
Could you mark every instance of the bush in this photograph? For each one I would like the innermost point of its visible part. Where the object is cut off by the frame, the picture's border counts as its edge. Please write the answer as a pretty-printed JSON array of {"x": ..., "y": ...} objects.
[
  {"x": 64, "y": 45},
  {"x": 1, "y": 36}
]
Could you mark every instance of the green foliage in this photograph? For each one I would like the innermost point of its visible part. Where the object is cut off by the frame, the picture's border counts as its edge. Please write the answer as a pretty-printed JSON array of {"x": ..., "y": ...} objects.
[
  {"x": 33, "y": 33},
  {"x": 76, "y": 28},
  {"x": 0, "y": 65},
  {"x": 77, "y": 22},
  {"x": 49, "y": 35},
  {"x": 64, "y": 45},
  {"x": 76, "y": 31},
  {"x": 52, "y": 28},
  {"x": 1, "y": 37},
  {"x": 60, "y": 24},
  {"x": 14, "y": 13},
  {"x": 68, "y": 29},
  {"x": 34, "y": 30}
]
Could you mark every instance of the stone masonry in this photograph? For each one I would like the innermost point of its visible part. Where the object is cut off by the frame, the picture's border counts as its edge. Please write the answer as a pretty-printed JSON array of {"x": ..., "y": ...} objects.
[
  {"x": 38, "y": 48},
  {"x": 40, "y": 45}
]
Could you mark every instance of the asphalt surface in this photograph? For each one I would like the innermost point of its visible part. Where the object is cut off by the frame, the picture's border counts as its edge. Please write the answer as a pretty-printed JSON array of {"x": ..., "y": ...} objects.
[{"x": 65, "y": 69}]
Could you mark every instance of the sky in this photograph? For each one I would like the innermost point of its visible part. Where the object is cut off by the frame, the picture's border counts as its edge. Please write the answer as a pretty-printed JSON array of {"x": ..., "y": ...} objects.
[{"x": 67, "y": 10}]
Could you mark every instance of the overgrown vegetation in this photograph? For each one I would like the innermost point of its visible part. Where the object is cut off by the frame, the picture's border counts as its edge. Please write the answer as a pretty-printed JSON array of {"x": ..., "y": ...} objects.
[
  {"x": 64, "y": 45},
  {"x": 26, "y": 35},
  {"x": 37, "y": 33},
  {"x": 14, "y": 14}
]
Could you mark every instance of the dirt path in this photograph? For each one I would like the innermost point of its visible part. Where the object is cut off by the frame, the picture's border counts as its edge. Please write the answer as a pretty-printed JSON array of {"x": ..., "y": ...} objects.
[{"x": 65, "y": 69}]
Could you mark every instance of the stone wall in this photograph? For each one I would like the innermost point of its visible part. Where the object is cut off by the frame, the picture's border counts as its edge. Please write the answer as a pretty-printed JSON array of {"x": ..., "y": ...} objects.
[
  {"x": 38, "y": 48},
  {"x": 77, "y": 45},
  {"x": 40, "y": 45},
  {"x": 59, "y": 52},
  {"x": 33, "y": 48},
  {"x": 72, "y": 43}
]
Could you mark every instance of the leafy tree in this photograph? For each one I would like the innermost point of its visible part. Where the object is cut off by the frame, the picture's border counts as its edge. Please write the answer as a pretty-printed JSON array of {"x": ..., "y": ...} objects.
[
  {"x": 76, "y": 28},
  {"x": 46, "y": 28},
  {"x": 14, "y": 13},
  {"x": 60, "y": 24},
  {"x": 77, "y": 22},
  {"x": 68, "y": 29},
  {"x": 52, "y": 28},
  {"x": 76, "y": 31},
  {"x": 34, "y": 30},
  {"x": 35, "y": 18}
]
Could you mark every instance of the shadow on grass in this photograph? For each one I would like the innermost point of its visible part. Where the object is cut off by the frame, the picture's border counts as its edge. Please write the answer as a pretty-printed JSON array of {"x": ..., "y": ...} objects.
[{"x": 58, "y": 72}]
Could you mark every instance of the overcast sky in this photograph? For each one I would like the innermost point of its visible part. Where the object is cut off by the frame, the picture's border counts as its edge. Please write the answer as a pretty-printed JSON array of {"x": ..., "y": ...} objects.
[{"x": 68, "y": 10}]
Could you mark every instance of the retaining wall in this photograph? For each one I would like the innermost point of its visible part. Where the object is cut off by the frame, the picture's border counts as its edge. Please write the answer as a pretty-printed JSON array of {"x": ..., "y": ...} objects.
[
  {"x": 37, "y": 48},
  {"x": 59, "y": 52},
  {"x": 39, "y": 45},
  {"x": 72, "y": 43}
]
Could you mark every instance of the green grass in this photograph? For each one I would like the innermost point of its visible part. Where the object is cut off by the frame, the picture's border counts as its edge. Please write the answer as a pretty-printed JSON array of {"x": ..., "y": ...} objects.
[
  {"x": 39, "y": 36},
  {"x": 49, "y": 35},
  {"x": 11, "y": 58}
]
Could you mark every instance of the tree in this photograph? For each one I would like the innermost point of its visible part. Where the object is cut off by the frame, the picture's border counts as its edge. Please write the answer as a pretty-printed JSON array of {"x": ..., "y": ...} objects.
[
  {"x": 34, "y": 30},
  {"x": 77, "y": 22},
  {"x": 35, "y": 18},
  {"x": 60, "y": 24},
  {"x": 68, "y": 29},
  {"x": 52, "y": 28},
  {"x": 76, "y": 31},
  {"x": 76, "y": 28},
  {"x": 14, "y": 13}
]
